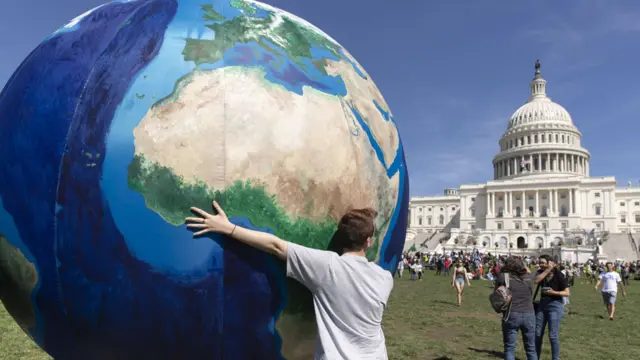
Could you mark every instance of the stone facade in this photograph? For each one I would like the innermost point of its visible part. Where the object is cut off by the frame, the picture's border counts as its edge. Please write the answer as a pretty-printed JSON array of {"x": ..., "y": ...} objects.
[{"x": 542, "y": 193}]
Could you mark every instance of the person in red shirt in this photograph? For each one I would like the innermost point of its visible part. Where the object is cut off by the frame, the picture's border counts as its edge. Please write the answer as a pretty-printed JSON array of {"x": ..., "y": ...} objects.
[
  {"x": 447, "y": 264},
  {"x": 497, "y": 269}
]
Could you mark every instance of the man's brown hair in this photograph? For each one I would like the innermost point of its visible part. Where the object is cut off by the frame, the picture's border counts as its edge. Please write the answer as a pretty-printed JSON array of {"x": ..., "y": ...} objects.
[{"x": 354, "y": 228}]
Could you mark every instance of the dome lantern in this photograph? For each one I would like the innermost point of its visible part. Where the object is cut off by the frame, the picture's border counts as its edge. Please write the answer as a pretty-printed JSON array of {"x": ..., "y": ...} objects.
[
  {"x": 538, "y": 84},
  {"x": 539, "y": 107}
]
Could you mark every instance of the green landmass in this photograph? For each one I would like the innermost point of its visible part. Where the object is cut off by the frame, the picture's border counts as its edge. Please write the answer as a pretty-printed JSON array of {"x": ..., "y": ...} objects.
[
  {"x": 210, "y": 14},
  {"x": 244, "y": 6},
  {"x": 18, "y": 278},
  {"x": 171, "y": 196},
  {"x": 295, "y": 39}
]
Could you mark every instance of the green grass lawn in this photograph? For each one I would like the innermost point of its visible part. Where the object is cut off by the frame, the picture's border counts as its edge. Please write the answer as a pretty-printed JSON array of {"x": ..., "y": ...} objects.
[{"x": 424, "y": 322}]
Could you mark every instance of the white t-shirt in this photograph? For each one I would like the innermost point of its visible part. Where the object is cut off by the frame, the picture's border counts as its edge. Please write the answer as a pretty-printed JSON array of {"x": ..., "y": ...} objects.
[
  {"x": 419, "y": 268},
  {"x": 610, "y": 281},
  {"x": 350, "y": 295}
]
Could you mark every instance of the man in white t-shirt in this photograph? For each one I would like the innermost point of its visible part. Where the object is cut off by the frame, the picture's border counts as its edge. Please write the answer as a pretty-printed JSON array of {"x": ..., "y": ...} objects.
[
  {"x": 350, "y": 293},
  {"x": 419, "y": 270},
  {"x": 610, "y": 281},
  {"x": 400, "y": 268}
]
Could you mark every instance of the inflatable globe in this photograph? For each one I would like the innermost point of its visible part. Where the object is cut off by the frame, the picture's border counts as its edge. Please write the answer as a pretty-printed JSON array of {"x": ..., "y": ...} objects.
[{"x": 132, "y": 113}]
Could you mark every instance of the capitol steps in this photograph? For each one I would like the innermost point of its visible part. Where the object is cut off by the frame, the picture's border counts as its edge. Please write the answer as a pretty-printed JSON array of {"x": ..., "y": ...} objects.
[
  {"x": 620, "y": 246},
  {"x": 414, "y": 244},
  {"x": 425, "y": 241},
  {"x": 434, "y": 241}
]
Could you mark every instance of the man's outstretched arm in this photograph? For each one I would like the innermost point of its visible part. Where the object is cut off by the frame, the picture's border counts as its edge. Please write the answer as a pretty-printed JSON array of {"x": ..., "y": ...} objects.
[{"x": 220, "y": 224}]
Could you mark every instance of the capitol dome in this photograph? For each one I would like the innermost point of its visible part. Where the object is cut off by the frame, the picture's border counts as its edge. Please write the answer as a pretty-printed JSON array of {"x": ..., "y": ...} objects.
[
  {"x": 539, "y": 110},
  {"x": 541, "y": 139},
  {"x": 539, "y": 107}
]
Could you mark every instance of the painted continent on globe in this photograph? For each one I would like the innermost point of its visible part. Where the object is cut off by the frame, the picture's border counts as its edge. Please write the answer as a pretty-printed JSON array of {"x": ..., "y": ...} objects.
[{"x": 123, "y": 119}]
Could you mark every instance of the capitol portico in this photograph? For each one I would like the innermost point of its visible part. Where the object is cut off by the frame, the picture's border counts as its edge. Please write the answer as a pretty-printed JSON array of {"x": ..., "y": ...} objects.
[{"x": 542, "y": 195}]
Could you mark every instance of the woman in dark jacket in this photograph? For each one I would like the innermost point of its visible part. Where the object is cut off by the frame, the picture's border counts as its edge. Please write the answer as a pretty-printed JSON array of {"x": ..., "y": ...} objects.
[
  {"x": 554, "y": 287},
  {"x": 522, "y": 316}
]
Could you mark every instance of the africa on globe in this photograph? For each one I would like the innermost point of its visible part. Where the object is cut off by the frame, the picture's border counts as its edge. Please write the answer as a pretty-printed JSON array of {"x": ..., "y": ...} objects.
[{"x": 120, "y": 121}]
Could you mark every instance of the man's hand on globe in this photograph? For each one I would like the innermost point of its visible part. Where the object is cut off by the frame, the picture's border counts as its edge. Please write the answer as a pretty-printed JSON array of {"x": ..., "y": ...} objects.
[
  {"x": 210, "y": 223},
  {"x": 221, "y": 224}
]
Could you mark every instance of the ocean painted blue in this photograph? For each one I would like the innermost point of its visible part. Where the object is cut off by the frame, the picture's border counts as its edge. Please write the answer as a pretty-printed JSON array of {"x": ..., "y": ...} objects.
[{"x": 115, "y": 280}]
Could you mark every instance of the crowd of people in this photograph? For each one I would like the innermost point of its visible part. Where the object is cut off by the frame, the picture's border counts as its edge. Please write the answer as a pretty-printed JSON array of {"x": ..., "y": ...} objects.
[
  {"x": 485, "y": 266},
  {"x": 525, "y": 278}
]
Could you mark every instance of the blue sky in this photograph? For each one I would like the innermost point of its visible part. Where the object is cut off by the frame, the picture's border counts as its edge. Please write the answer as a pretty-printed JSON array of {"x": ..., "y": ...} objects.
[{"x": 454, "y": 71}]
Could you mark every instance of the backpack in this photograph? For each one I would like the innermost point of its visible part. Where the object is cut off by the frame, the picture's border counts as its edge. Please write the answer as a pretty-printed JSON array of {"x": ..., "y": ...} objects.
[{"x": 500, "y": 298}]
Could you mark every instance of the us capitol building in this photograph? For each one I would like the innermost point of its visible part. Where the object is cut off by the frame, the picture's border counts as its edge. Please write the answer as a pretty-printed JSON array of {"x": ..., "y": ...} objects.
[{"x": 542, "y": 198}]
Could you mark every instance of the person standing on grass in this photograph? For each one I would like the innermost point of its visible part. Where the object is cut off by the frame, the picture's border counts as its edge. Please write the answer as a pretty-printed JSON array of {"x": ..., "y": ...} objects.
[
  {"x": 624, "y": 274},
  {"x": 419, "y": 270},
  {"x": 447, "y": 265},
  {"x": 569, "y": 276},
  {"x": 521, "y": 316},
  {"x": 588, "y": 274},
  {"x": 439, "y": 265},
  {"x": 459, "y": 278},
  {"x": 412, "y": 268},
  {"x": 554, "y": 287},
  {"x": 350, "y": 293},
  {"x": 610, "y": 281},
  {"x": 594, "y": 272},
  {"x": 400, "y": 267}
]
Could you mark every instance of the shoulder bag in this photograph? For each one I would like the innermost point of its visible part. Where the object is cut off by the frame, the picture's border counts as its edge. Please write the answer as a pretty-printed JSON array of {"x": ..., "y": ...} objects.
[{"x": 536, "y": 303}]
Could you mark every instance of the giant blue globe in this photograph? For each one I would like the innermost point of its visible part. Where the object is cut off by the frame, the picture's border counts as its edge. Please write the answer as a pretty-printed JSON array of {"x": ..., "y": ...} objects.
[{"x": 124, "y": 118}]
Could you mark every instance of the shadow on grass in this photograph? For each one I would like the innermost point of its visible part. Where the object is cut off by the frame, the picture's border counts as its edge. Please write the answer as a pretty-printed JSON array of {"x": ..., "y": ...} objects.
[
  {"x": 448, "y": 303},
  {"x": 497, "y": 354},
  {"x": 443, "y": 358},
  {"x": 581, "y": 314}
]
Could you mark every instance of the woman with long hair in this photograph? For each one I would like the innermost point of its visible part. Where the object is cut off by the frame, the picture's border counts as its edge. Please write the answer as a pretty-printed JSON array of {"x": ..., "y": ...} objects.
[
  {"x": 554, "y": 288},
  {"x": 459, "y": 278},
  {"x": 522, "y": 315}
]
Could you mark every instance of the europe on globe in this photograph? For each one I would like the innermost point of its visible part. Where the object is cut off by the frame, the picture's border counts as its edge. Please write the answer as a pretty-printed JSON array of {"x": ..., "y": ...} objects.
[{"x": 120, "y": 121}]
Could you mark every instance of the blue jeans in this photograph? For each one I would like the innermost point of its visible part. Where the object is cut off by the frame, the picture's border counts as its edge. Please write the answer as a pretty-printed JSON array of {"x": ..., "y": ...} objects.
[
  {"x": 549, "y": 313},
  {"x": 526, "y": 322}
]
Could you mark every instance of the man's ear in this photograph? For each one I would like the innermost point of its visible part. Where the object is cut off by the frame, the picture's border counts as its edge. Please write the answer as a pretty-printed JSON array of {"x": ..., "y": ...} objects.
[{"x": 369, "y": 242}]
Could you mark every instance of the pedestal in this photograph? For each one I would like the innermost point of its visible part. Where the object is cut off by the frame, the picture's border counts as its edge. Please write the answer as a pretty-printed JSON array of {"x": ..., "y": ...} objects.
[{"x": 599, "y": 255}]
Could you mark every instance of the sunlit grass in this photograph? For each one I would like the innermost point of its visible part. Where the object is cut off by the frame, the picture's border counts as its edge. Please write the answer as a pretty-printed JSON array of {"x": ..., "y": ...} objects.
[{"x": 423, "y": 322}]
